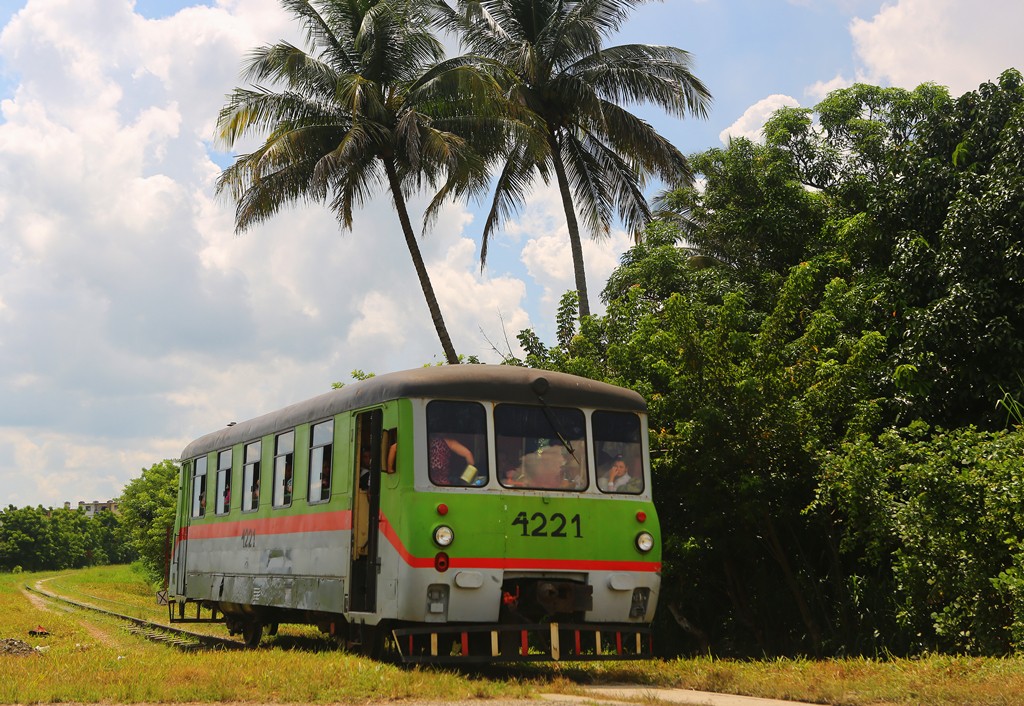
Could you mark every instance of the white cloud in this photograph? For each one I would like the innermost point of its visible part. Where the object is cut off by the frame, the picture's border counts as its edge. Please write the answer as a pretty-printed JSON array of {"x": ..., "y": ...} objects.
[
  {"x": 547, "y": 256},
  {"x": 949, "y": 42},
  {"x": 132, "y": 318},
  {"x": 818, "y": 90},
  {"x": 750, "y": 124}
]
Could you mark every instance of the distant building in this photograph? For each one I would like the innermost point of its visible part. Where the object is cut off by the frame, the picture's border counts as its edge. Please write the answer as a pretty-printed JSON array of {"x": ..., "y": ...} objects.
[{"x": 94, "y": 507}]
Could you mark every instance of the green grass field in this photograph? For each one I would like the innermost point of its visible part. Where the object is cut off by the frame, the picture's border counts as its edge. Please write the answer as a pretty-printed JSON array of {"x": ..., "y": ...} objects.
[{"x": 88, "y": 658}]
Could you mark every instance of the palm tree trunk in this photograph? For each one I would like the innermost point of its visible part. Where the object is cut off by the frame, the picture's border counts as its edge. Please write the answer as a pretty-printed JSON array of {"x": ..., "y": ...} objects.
[
  {"x": 573, "y": 226},
  {"x": 421, "y": 269}
]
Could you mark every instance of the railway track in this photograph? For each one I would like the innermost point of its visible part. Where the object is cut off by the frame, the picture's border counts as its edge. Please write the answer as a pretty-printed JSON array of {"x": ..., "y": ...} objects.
[{"x": 154, "y": 632}]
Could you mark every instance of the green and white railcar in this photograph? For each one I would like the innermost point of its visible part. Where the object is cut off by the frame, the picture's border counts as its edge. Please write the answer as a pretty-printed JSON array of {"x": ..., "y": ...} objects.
[{"x": 454, "y": 513}]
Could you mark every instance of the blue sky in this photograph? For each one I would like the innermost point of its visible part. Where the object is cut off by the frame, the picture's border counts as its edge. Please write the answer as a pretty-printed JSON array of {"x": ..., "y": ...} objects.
[{"x": 133, "y": 318}]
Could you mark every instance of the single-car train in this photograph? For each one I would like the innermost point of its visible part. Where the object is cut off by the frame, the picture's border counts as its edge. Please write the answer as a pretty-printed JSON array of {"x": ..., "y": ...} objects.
[{"x": 457, "y": 513}]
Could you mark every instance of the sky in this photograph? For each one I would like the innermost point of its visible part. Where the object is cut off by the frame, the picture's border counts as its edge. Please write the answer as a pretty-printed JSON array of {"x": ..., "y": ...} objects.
[{"x": 134, "y": 319}]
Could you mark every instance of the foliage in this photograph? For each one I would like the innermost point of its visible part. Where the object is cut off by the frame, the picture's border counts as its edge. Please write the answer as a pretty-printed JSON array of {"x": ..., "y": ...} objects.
[
  {"x": 788, "y": 324},
  {"x": 147, "y": 512},
  {"x": 37, "y": 539},
  {"x": 371, "y": 101},
  {"x": 948, "y": 508},
  {"x": 569, "y": 91}
]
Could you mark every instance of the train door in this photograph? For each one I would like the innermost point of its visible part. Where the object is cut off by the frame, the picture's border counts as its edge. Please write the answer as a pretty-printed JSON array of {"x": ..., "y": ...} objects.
[
  {"x": 191, "y": 502},
  {"x": 366, "y": 512}
]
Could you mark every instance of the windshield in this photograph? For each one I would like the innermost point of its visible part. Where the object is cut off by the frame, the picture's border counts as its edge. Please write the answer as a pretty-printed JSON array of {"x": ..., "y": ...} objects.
[{"x": 541, "y": 447}]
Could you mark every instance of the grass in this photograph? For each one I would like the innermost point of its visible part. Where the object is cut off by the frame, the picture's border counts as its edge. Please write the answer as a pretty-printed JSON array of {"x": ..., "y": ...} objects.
[{"x": 91, "y": 659}]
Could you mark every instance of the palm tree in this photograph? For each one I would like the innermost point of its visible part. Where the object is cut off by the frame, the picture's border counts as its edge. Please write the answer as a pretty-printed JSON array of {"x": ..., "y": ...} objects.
[
  {"x": 571, "y": 88},
  {"x": 371, "y": 102}
]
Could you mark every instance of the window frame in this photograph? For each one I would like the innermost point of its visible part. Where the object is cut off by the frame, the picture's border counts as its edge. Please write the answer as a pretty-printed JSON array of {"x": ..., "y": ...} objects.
[
  {"x": 222, "y": 506},
  {"x": 641, "y": 477},
  {"x": 284, "y": 462},
  {"x": 198, "y": 509},
  {"x": 251, "y": 471},
  {"x": 481, "y": 460},
  {"x": 326, "y": 449}
]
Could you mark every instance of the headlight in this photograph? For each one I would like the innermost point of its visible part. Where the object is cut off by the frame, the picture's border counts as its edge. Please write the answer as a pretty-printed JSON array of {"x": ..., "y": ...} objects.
[
  {"x": 645, "y": 542},
  {"x": 443, "y": 536}
]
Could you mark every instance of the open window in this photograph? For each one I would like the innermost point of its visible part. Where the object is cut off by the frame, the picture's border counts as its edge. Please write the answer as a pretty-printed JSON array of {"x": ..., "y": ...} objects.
[
  {"x": 223, "y": 504},
  {"x": 284, "y": 468},
  {"x": 251, "y": 477},
  {"x": 199, "y": 487},
  {"x": 320, "y": 459}
]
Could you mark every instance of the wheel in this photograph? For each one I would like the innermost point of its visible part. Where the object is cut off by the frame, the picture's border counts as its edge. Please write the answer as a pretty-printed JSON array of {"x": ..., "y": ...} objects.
[{"x": 252, "y": 632}]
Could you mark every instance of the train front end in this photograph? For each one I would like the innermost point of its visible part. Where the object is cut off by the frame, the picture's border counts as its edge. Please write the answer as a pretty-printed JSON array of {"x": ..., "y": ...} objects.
[{"x": 529, "y": 532}]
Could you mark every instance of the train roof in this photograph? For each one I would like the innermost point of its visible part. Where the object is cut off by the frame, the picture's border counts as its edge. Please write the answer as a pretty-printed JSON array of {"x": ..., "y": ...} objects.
[{"x": 502, "y": 383}]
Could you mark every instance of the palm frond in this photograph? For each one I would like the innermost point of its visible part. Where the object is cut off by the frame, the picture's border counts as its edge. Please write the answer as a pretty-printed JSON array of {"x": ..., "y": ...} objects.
[{"x": 643, "y": 73}]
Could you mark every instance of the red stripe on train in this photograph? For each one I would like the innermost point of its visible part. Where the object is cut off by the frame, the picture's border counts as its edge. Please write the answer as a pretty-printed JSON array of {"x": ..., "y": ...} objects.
[{"x": 312, "y": 522}]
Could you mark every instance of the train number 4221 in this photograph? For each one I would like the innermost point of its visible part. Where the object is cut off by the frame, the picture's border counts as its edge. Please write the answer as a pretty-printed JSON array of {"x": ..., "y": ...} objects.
[{"x": 556, "y": 525}]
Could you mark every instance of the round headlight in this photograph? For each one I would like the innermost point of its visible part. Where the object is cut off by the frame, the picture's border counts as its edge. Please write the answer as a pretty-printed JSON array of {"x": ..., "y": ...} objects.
[
  {"x": 644, "y": 542},
  {"x": 443, "y": 536}
]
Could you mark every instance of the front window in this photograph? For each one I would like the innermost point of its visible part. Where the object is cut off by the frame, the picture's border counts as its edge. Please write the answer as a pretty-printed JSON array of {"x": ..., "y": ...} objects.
[
  {"x": 284, "y": 453},
  {"x": 251, "y": 477},
  {"x": 223, "y": 482},
  {"x": 457, "y": 439},
  {"x": 541, "y": 447},
  {"x": 199, "y": 487},
  {"x": 320, "y": 462},
  {"x": 619, "y": 453}
]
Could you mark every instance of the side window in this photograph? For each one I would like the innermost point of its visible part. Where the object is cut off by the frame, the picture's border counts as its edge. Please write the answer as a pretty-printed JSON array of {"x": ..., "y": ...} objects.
[
  {"x": 391, "y": 444},
  {"x": 223, "y": 482},
  {"x": 199, "y": 487},
  {"x": 320, "y": 462},
  {"x": 620, "y": 463},
  {"x": 457, "y": 443},
  {"x": 284, "y": 468},
  {"x": 251, "y": 477},
  {"x": 541, "y": 447}
]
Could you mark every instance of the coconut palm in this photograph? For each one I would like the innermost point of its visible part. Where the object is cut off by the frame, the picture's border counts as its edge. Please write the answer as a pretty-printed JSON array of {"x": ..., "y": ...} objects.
[
  {"x": 599, "y": 153},
  {"x": 370, "y": 102}
]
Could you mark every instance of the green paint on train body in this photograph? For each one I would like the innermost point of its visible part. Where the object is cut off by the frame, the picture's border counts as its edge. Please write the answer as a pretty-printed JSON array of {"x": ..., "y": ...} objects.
[{"x": 506, "y": 529}]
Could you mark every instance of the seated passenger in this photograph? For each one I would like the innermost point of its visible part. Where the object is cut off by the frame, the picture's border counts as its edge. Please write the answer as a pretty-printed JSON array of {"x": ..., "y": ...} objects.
[
  {"x": 445, "y": 465},
  {"x": 544, "y": 468},
  {"x": 617, "y": 479}
]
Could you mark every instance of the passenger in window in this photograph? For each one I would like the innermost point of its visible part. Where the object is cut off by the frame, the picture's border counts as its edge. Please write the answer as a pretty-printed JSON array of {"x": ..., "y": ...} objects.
[
  {"x": 545, "y": 468},
  {"x": 392, "y": 452},
  {"x": 365, "y": 459},
  {"x": 617, "y": 478},
  {"x": 451, "y": 463}
]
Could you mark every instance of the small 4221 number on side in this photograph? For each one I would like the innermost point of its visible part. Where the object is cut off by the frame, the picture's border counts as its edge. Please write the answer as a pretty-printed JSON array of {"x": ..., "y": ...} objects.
[{"x": 556, "y": 525}]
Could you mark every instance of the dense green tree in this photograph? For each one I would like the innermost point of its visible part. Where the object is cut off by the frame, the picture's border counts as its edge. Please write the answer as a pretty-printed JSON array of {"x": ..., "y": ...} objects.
[
  {"x": 370, "y": 101},
  {"x": 932, "y": 188},
  {"x": 147, "y": 510},
  {"x": 572, "y": 88},
  {"x": 786, "y": 323},
  {"x": 934, "y": 518},
  {"x": 38, "y": 539}
]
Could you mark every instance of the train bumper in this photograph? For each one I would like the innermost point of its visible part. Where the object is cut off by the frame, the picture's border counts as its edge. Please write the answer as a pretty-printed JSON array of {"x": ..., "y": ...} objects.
[{"x": 541, "y": 642}]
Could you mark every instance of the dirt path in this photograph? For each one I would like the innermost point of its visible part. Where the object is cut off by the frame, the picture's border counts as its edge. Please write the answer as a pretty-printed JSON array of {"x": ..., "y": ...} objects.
[{"x": 40, "y": 603}]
